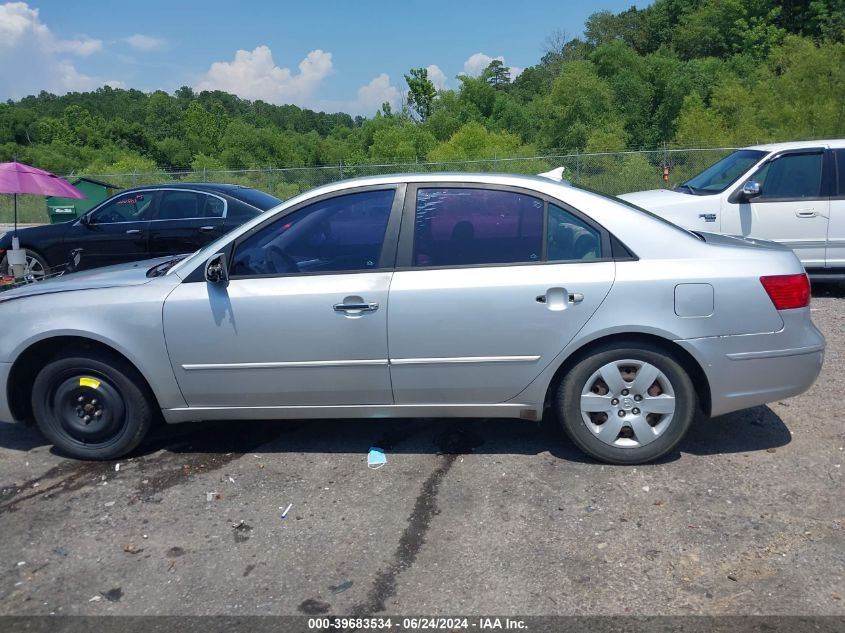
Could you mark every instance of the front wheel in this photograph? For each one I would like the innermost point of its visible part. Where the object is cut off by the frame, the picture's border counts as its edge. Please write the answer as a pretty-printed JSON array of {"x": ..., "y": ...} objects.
[
  {"x": 92, "y": 405},
  {"x": 36, "y": 265},
  {"x": 627, "y": 404}
]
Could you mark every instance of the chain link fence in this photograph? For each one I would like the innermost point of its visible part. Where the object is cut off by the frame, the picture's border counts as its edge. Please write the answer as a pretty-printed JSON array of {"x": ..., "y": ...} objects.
[{"x": 609, "y": 172}]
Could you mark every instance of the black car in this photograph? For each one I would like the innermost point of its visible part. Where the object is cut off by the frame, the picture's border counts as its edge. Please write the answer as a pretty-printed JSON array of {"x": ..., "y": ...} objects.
[{"x": 140, "y": 223}]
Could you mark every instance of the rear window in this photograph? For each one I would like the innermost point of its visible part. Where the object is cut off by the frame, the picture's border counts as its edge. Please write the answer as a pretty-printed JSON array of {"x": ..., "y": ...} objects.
[{"x": 256, "y": 198}]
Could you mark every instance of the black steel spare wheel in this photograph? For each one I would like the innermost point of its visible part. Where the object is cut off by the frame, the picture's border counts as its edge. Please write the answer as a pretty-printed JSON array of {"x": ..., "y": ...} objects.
[{"x": 92, "y": 404}]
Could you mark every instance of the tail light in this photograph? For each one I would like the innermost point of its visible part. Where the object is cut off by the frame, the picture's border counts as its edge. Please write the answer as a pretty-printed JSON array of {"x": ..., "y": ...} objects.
[{"x": 787, "y": 291}]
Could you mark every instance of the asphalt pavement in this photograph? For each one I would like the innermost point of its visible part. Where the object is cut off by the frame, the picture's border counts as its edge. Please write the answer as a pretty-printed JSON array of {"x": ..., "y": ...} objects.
[{"x": 467, "y": 517}]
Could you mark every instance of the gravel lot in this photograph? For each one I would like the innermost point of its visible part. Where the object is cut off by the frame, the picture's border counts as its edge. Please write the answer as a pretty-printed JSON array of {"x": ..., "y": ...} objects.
[{"x": 467, "y": 517}]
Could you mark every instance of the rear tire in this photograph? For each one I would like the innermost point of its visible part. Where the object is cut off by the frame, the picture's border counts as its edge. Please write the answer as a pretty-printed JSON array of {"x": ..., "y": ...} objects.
[
  {"x": 35, "y": 264},
  {"x": 627, "y": 404},
  {"x": 92, "y": 405}
]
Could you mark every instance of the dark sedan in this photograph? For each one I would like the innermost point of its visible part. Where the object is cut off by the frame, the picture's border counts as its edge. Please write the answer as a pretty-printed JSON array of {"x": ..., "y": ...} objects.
[{"x": 140, "y": 223}]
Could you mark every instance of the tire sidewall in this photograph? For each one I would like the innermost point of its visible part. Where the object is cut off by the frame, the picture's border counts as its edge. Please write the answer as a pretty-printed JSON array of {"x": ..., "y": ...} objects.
[
  {"x": 569, "y": 400},
  {"x": 137, "y": 410}
]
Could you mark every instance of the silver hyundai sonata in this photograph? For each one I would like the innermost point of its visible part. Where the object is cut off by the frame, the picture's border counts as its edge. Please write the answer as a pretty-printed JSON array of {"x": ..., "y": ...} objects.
[{"x": 451, "y": 295}]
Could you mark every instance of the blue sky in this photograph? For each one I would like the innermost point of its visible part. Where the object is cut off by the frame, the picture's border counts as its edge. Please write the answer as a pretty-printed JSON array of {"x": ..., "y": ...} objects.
[{"x": 326, "y": 55}]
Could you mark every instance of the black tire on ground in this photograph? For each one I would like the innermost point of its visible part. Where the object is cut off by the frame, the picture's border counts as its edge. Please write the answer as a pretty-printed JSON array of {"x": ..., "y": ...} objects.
[
  {"x": 92, "y": 404},
  {"x": 568, "y": 404},
  {"x": 4, "y": 263}
]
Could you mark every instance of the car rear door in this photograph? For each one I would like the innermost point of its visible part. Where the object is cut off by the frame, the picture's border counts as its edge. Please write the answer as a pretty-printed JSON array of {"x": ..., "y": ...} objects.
[
  {"x": 115, "y": 232},
  {"x": 792, "y": 208},
  {"x": 186, "y": 220},
  {"x": 492, "y": 284},
  {"x": 303, "y": 318}
]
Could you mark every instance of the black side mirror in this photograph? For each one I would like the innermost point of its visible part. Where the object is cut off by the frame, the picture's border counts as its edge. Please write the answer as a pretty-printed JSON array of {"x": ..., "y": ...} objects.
[
  {"x": 85, "y": 220},
  {"x": 217, "y": 269}
]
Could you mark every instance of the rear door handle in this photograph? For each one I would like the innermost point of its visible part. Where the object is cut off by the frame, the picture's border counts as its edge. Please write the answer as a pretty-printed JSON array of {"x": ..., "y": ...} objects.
[
  {"x": 806, "y": 213},
  {"x": 206, "y": 229},
  {"x": 575, "y": 297},
  {"x": 356, "y": 307},
  {"x": 133, "y": 231}
]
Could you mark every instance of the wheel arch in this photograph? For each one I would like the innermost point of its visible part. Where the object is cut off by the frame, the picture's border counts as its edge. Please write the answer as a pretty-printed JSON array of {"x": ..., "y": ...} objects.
[
  {"x": 682, "y": 356},
  {"x": 35, "y": 356}
]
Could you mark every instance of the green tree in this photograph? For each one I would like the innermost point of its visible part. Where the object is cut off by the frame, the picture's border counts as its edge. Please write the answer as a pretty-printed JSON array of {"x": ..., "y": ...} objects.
[
  {"x": 497, "y": 74},
  {"x": 421, "y": 92}
]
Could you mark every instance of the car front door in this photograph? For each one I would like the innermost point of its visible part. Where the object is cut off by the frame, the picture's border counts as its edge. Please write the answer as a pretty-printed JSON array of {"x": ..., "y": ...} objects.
[
  {"x": 185, "y": 221},
  {"x": 491, "y": 285},
  {"x": 303, "y": 318},
  {"x": 792, "y": 207},
  {"x": 115, "y": 232}
]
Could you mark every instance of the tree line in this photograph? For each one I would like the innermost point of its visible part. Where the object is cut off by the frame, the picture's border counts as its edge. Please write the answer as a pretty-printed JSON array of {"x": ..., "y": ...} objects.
[{"x": 690, "y": 73}]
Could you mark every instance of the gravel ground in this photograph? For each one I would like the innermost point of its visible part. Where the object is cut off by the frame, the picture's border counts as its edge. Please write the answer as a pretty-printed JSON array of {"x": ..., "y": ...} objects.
[{"x": 467, "y": 517}]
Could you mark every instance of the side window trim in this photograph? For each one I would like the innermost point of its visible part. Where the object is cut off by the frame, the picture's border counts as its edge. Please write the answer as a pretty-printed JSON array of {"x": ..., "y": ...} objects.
[
  {"x": 405, "y": 256},
  {"x": 104, "y": 203},
  {"x": 201, "y": 217},
  {"x": 387, "y": 256}
]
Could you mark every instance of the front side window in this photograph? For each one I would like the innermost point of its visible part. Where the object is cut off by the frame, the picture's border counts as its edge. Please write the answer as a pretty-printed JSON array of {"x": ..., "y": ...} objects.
[
  {"x": 840, "y": 172},
  {"x": 790, "y": 176},
  {"x": 720, "y": 176},
  {"x": 333, "y": 235},
  {"x": 464, "y": 226},
  {"x": 570, "y": 238},
  {"x": 127, "y": 207}
]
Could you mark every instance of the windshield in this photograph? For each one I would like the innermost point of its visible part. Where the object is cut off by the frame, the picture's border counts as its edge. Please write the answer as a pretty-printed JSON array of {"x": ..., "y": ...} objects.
[{"x": 720, "y": 176}]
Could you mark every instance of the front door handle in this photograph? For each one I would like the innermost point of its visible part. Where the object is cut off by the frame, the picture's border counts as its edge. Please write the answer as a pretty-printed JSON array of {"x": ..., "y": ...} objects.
[
  {"x": 356, "y": 307},
  {"x": 133, "y": 231},
  {"x": 806, "y": 213},
  {"x": 575, "y": 297},
  {"x": 206, "y": 229}
]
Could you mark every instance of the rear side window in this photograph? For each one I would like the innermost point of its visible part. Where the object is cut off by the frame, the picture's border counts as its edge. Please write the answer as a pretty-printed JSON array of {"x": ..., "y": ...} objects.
[
  {"x": 840, "y": 172},
  {"x": 790, "y": 176},
  {"x": 465, "y": 226},
  {"x": 181, "y": 205},
  {"x": 571, "y": 238},
  {"x": 333, "y": 235}
]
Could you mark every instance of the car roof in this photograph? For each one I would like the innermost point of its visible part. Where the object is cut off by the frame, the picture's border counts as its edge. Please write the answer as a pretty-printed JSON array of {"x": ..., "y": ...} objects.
[
  {"x": 779, "y": 147},
  {"x": 214, "y": 187}
]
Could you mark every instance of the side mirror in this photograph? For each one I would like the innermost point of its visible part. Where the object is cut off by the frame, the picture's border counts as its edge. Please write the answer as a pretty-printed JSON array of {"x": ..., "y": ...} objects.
[
  {"x": 217, "y": 269},
  {"x": 751, "y": 189}
]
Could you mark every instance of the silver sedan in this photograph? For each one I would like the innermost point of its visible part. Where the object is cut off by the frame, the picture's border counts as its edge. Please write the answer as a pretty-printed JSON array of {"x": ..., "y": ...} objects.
[{"x": 452, "y": 295}]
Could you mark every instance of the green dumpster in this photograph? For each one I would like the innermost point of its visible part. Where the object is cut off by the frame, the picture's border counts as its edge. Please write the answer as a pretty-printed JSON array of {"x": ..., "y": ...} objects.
[{"x": 67, "y": 209}]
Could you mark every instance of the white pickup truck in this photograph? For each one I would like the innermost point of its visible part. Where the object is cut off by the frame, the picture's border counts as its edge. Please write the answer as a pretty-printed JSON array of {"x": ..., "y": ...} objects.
[{"x": 792, "y": 193}]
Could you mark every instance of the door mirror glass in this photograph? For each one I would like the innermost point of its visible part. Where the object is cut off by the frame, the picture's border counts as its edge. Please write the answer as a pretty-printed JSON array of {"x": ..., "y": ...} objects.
[
  {"x": 217, "y": 269},
  {"x": 751, "y": 189}
]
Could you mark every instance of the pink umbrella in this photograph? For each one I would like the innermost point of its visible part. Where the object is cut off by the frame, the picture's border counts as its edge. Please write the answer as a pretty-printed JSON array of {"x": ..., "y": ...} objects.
[{"x": 18, "y": 178}]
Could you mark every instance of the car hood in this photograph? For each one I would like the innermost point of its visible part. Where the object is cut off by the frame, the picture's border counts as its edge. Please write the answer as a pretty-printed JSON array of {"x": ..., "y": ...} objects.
[
  {"x": 30, "y": 234},
  {"x": 130, "y": 274},
  {"x": 662, "y": 199}
]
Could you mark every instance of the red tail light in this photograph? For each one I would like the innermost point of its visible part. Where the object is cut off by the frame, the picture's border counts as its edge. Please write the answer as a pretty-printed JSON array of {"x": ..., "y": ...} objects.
[{"x": 787, "y": 291}]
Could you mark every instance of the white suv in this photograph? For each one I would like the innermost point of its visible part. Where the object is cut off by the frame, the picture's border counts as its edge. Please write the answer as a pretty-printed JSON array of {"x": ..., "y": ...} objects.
[{"x": 792, "y": 193}]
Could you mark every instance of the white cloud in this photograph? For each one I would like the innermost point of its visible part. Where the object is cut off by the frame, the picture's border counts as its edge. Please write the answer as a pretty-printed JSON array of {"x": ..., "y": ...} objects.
[
  {"x": 83, "y": 47},
  {"x": 142, "y": 42},
  {"x": 369, "y": 98},
  {"x": 477, "y": 62},
  {"x": 254, "y": 75},
  {"x": 437, "y": 76},
  {"x": 31, "y": 56}
]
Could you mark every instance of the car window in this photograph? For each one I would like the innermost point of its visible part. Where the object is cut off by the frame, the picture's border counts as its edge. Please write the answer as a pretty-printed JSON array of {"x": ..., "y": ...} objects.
[
  {"x": 214, "y": 207},
  {"x": 337, "y": 234},
  {"x": 722, "y": 174},
  {"x": 127, "y": 207},
  {"x": 790, "y": 176},
  {"x": 256, "y": 198},
  {"x": 181, "y": 205},
  {"x": 840, "y": 172},
  {"x": 571, "y": 238},
  {"x": 463, "y": 226}
]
